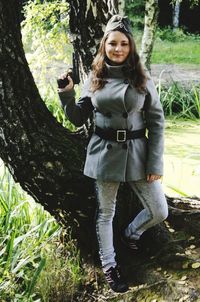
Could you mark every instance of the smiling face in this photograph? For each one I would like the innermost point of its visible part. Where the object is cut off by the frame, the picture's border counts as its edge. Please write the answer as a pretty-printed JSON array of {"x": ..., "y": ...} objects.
[{"x": 117, "y": 47}]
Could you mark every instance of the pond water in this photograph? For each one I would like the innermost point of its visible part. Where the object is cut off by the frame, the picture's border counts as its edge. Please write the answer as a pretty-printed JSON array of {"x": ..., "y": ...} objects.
[{"x": 182, "y": 158}]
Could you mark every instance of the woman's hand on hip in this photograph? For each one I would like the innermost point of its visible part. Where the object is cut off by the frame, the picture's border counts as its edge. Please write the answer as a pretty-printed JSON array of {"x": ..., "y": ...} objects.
[{"x": 152, "y": 177}]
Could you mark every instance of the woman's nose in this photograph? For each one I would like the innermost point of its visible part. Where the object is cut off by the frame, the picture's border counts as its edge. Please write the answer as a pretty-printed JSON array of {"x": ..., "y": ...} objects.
[{"x": 118, "y": 48}]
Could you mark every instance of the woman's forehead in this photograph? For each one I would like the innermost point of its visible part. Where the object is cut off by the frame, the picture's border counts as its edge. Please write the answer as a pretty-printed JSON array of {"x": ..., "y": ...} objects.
[{"x": 117, "y": 35}]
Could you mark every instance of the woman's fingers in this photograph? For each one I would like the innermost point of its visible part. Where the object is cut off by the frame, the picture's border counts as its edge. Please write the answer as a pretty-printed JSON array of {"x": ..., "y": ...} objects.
[
  {"x": 152, "y": 177},
  {"x": 69, "y": 86}
]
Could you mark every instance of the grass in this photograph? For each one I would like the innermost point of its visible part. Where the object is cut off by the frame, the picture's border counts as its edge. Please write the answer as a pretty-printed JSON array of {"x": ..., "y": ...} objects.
[
  {"x": 173, "y": 48},
  {"x": 182, "y": 52},
  {"x": 36, "y": 264},
  {"x": 180, "y": 101}
]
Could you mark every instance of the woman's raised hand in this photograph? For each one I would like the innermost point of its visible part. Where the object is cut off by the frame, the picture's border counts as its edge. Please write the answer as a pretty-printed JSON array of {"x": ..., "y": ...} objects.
[{"x": 69, "y": 83}]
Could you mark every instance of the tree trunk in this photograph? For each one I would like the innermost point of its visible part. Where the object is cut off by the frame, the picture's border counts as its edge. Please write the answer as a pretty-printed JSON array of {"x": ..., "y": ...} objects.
[
  {"x": 176, "y": 14},
  {"x": 150, "y": 23},
  {"x": 47, "y": 159},
  {"x": 87, "y": 20}
]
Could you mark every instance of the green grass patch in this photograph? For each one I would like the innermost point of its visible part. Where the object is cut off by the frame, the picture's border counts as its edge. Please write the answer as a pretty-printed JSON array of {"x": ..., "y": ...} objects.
[
  {"x": 182, "y": 52},
  {"x": 38, "y": 260},
  {"x": 172, "y": 47}
]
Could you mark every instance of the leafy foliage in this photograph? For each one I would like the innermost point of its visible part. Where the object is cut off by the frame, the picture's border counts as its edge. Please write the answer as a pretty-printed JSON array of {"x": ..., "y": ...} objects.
[
  {"x": 171, "y": 35},
  {"x": 45, "y": 37},
  {"x": 135, "y": 11}
]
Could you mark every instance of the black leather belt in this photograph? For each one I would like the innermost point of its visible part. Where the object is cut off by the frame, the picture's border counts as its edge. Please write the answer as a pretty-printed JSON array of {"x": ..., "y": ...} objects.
[{"x": 121, "y": 135}]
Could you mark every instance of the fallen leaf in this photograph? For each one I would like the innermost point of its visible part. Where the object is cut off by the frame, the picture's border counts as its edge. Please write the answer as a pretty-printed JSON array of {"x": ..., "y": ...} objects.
[
  {"x": 196, "y": 265},
  {"x": 191, "y": 238},
  {"x": 181, "y": 281}
]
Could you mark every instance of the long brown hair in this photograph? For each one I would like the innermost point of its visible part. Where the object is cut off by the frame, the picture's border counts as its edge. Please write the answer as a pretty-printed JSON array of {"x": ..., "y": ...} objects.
[{"x": 134, "y": 71}]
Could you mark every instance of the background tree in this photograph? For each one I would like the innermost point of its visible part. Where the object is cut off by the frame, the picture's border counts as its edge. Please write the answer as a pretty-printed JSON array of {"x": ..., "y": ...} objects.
[
  {"x": 150, "y": 23},
  {"x": 176, "y": 14}
]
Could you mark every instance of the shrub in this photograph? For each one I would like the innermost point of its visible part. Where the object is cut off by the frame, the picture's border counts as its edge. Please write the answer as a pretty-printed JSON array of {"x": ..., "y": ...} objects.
[{"x": 171, "y": 35}]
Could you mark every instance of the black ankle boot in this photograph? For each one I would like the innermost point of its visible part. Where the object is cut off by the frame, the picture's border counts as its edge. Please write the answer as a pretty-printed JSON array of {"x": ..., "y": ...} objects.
[
  {"x": 130, "y": 243},
  {"x": 115, "y": 280}
]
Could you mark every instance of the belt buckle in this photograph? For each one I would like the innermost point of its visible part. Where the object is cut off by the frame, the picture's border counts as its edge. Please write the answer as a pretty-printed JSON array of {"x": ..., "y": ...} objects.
[{"x": 121, "y": 136}]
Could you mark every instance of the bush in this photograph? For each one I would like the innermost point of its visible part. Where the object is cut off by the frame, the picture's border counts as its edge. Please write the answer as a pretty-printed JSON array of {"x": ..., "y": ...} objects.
[
  {"x": 171, "y": 35},
  {"x": 175, "y": 35}
]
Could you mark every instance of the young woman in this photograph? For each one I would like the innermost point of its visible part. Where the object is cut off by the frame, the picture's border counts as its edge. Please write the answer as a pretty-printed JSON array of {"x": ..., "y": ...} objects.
[{"x": 126, "y": 108}]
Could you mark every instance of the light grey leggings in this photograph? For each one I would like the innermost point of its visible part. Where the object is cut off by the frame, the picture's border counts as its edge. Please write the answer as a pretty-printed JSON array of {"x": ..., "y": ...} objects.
[{"x": 155, "y": 210}]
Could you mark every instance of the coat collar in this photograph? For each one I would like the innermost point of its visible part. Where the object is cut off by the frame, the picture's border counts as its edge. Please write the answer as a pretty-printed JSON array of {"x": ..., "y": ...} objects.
[{"x": 116, "y": 71}]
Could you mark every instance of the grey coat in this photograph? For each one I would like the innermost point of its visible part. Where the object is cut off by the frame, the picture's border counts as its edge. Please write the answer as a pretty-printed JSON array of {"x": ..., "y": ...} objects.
[{"x": 118, "y": 105}]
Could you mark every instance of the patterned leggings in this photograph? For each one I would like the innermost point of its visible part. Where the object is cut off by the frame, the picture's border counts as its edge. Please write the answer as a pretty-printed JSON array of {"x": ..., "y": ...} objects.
[{"x": 155, "y": 210}]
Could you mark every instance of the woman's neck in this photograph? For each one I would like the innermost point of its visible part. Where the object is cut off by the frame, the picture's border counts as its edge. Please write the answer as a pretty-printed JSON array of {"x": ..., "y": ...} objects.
[{"x": 111, "y": 63}]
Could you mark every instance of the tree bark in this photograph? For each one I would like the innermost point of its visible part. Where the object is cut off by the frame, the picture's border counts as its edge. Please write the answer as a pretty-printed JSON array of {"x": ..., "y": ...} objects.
[
  {"x": 150, "y": 23},
  {"x": 87, "y": 21},
  {"x": 43, "y": 157}
]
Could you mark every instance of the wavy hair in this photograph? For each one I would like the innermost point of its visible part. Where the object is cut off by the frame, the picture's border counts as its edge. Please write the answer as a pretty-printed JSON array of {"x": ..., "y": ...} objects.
[{"x": 134, "y": 71}]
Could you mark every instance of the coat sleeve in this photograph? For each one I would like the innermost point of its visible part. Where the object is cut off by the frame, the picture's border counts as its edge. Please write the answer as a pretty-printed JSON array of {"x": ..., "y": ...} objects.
[
  {"x": 79, "y": 112},
  {"x": 155, "y": 124}
]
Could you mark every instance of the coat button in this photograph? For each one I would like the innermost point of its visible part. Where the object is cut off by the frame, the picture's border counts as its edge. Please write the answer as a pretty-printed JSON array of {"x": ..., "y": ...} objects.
[
  {"x": 109, "y": 146},
  {"x": 125, "y": 114},
  {"x": 126, "y": 81},
  {"x": 124, "y": 146},
  {"x": 109, "y": 114}
]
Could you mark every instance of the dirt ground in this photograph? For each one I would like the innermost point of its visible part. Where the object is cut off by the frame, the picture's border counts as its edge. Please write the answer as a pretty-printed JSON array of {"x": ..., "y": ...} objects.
[{"x": 167, "y": 73}]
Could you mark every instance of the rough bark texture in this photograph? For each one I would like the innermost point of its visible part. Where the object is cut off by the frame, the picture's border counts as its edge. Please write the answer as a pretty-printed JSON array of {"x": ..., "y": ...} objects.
[
  {"x": 47, "y": 159},
  {"x": 87, "y": 20},
  {"x": 150, "y": 22},
  {"x": 43, "y": 157}
]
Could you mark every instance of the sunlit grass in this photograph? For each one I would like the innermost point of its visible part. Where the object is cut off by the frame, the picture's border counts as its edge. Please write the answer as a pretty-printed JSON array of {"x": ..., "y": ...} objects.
[
  {"x": 183, "y": 52},
  {"x": 33, "y": 252}
]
